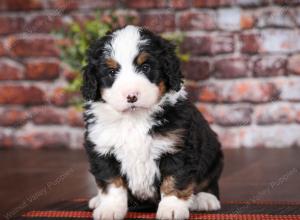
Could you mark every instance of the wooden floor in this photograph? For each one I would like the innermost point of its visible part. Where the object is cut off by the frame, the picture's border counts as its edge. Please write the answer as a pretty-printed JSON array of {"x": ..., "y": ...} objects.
[{"x": 33, "y": 179}]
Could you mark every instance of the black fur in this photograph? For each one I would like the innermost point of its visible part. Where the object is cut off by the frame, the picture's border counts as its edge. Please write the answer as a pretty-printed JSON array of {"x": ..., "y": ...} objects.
[{"x": 199, "y": 160}]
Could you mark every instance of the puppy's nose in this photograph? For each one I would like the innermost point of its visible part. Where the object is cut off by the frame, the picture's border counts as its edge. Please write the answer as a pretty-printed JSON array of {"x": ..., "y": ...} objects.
[{"x": 132, "y": 98}]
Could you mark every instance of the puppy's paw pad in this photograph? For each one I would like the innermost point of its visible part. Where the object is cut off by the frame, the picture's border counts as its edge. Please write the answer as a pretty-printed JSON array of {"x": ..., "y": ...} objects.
[
  {"x": 172, "y": 209},
  {"x": 109, "y": 212},
  {"x": 94, "y": 202},
  {"x": 207, "y": 202}
]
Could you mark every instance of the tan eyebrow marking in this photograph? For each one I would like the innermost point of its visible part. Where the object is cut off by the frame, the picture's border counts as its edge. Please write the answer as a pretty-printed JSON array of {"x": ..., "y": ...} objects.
[
  {"x": 111, "y": 63},
  {"x": 142, "y": 57}
]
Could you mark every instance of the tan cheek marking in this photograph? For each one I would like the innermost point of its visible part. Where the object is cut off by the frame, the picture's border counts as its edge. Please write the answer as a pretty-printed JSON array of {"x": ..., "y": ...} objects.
[
  {"x": 162, "y": 88},
  {"x": 111, "y": 63},
  {"x": 168, "y": 189},
  {"x": 119, "y": 182},
  {"x": 142, "y": 58}
]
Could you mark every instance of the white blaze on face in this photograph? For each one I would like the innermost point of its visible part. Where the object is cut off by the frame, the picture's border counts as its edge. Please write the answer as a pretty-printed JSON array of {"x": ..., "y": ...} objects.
[{"x": 124, "y": 49}]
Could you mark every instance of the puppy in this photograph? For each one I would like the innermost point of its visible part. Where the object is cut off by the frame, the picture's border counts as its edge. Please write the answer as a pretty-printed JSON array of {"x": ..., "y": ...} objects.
[{"x": 146, "y": 142}]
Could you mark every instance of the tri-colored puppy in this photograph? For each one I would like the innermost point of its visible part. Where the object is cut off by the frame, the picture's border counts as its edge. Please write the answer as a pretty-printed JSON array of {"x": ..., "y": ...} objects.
[{"x": 146, "y": 141}]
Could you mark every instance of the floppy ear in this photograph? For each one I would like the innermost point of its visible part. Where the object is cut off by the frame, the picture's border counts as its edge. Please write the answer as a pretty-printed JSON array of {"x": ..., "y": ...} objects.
[
  {"x": 90, "y": 87},
  {"x": 170, "y": 65},
  {"x": 91, "y": 84}
]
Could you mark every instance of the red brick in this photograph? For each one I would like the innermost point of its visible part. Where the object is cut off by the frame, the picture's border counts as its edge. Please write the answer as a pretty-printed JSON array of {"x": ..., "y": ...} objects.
[
  {"x": 20, "y": 5},
  {"x": 66, "y": 5},
  {"x": 11, "y": 24},
  {"x": 32, "y": 46},
  {"x": 158, "y": 22},
  {"x": 208, "y": 44},
  {"x": 45, "y": 23},
  {"x": 13, "y": 117},
  {"x": 269, "y": 66},
  {"x": 193, "y": 91},
  {"x": 42, "y": 139},
  {"x": 287, "y": 2},
  {"x": 196, "y": 69},
  {"x": 145, "y": 4},
  {"x": 6, "y": 140},
  {"x": 61, "y": 97},
  {"x": 75, "y": 117},
  {"x": 179, "y": 4},
  {"x": 231, "y": 67},
  {"x": 247, "y": 21},
  {"x": 230, "y": 137},
  {"x": 10, "y": 70},
  {"x": 206, "y": 112},
  {"x": 190, "y": 20},
  {"x": 212, "y": 3},
  {"x": 69, "y": 74},
  {"x": 274, "y": 113},
  {"x": 238, "y": 91},
  {"x": 22, "y": 95},
  {"x": 250, "y": 43},
  {"x": 2, "y": 49},
  {"x": 48, "y": 115},
  {"x": 294, "y": 64},
  {"x": 42, "y": 69}
]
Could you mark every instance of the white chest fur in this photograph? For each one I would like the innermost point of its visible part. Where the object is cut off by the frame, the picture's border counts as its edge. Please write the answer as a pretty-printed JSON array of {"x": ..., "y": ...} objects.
[{"x": 126, "y": 136}]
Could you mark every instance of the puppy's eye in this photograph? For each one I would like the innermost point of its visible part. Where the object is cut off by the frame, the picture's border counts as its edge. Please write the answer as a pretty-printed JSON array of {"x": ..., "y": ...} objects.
[
  {"x": 146, "y": 68},
  {"x": 111, "y": 72}
]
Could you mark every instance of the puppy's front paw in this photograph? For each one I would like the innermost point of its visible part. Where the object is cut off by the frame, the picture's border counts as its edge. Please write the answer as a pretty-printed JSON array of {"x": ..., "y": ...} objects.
[
  {"x": 94, "y": 202},
  {"x": 110, "y": 211},
  {"x": 207, "y": 202},
  {"x": 171, "y": 207}
]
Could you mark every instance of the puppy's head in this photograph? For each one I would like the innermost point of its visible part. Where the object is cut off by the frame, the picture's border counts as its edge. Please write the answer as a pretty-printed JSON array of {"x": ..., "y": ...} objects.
[{"x": 131, "y": 68}]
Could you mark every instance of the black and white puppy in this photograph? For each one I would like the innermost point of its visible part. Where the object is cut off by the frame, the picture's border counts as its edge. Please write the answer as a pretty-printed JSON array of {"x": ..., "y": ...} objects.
[{"x": 146, "y": 142}]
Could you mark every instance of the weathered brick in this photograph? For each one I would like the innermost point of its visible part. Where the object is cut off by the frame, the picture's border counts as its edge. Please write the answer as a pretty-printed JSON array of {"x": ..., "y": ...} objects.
[
  {"x": 13, "y": 117},
  {"x": 274, "y": 113},
  {"x": 227, "y": 115},
  {"x": 38, "y": 138},
  {"x": 193, "y": 91},
  {"x": 276, "y": 17},
  {"x": 231, "y": 67},
  {"x": 10, "y": 70},
  {"x": 68, "y": 73},
  {"x": 179, "y": 4},
  {"x": 196, "y": 69},
  {"x": 212, "y": 3},
  {"x": 21, "y": 95},
  {"x": 289, "y": 89},
  {"x": 238, "y": 91},
  {"x": 66, "y": 5},
  {"x": 229, "y": 19},
  {"x": 229, "y": 137},
  {"x": 294, "y": 64},
  {"x": 250, "y": 43},
  {"x": 287, "y": 2},
  {"x": 195, "y": 20},
  {"x": 11, "y": 24},
  {"x": 74, "y": 117},
  {"x": 42, "y": 69},
  {"x": 158, "y": 22},
  {"x": 20, "y": 5},
  {"x": 208, "y": 44},
  {"x": 29, "y": 45},
  {"x": 283, "y": 41},
  {"x": 45, "y": 23},
  {"x": 145, "y": 4},
  {"x": 48, "y": 115},
  {"x": 270, "y": 66}
]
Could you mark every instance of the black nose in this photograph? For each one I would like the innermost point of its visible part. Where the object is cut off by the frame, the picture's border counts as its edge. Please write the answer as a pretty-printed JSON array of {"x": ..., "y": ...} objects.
[{"x": 131, "y": 98}]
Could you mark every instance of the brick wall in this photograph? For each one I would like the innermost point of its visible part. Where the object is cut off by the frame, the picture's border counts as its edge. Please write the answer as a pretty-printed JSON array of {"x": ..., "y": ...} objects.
[{"x": 244, "y": 71}]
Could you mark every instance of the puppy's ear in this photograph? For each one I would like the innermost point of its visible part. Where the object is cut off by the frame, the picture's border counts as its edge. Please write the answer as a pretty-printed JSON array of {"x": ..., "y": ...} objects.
[
  {"x": 170, "y": 65},
  {"x": 90, "y": 85}
]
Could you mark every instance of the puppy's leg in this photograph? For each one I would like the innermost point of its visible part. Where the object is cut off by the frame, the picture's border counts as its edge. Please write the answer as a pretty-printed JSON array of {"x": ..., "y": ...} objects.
[
  {"x": 174, "y": 203},
  {"x": 110, "y": 203}
]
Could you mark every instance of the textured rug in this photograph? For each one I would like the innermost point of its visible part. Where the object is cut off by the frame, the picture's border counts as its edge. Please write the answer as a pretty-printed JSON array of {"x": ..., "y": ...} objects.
[{"x": 77, "y": 209}]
